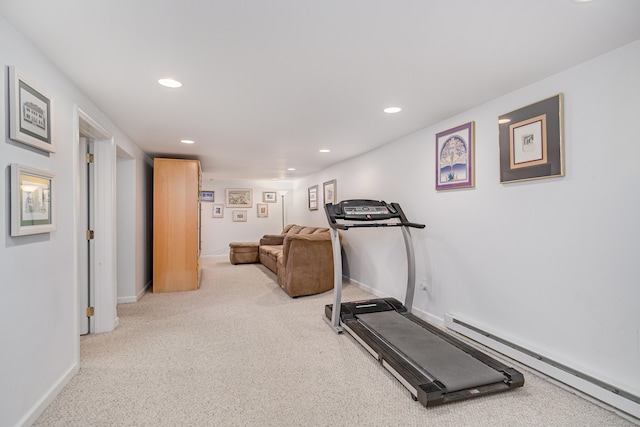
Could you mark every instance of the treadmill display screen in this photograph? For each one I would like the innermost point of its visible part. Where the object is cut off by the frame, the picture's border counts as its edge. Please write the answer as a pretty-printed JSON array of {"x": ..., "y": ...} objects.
[
  {"x": 365, "y": 210},
  {"x": 362, "y": 210}
]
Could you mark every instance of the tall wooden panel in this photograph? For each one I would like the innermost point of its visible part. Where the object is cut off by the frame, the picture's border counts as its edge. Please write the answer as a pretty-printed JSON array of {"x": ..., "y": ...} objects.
[{"x": 176, "y": 234}]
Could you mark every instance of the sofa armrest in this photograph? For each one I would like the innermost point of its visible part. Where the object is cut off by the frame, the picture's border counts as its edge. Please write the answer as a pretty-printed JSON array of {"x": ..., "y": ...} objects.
[
  {"x": 307, "y": 264},
  {"x": 300, "y": 241},
  {"x": 272, "y": 239}
]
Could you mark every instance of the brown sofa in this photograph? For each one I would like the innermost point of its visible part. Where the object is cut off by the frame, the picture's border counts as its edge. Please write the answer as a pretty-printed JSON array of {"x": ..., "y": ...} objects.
[{"x": 301, "y": 257}]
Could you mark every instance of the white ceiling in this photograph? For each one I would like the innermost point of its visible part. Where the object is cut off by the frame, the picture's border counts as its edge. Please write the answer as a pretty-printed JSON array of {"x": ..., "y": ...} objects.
[{"x": 267, "y": 83}]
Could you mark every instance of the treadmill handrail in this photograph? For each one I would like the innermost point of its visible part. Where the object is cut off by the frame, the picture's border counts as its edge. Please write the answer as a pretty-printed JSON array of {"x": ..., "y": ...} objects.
[
  {"x": 376, "y": 224},
  {"x": 395, "y": 213}
]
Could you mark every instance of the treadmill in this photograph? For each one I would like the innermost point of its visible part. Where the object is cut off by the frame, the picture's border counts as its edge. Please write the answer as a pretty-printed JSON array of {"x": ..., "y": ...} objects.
[{"x": 434, "y": 366}]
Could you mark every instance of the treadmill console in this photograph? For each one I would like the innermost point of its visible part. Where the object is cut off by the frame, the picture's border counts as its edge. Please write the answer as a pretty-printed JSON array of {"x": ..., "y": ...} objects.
[
  {"x": 370, "y": 213},
  {"x": 363, "y": 210}
]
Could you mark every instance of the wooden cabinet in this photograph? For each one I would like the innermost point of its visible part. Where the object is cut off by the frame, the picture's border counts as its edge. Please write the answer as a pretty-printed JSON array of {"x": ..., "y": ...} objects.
[{"x": 176, "y": 225}]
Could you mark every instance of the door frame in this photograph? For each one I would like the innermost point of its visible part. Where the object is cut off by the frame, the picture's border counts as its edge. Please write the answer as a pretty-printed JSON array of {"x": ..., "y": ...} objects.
[
  {"x": 104, "y": 298},
  {"x": 85, "y": 222}
]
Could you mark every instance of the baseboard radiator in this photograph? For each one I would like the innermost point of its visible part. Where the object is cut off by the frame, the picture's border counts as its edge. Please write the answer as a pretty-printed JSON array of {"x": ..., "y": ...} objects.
[{"x": 622, "y": 400}]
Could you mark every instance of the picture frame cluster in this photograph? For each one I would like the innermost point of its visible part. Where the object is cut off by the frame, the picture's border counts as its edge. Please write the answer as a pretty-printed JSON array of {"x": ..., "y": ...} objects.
[
  {"x": 241, "y": 199},
  {"x": 32, "y": 191},
  {"x": 329, "y": 191},
  {"x": 531, "y": 146}
]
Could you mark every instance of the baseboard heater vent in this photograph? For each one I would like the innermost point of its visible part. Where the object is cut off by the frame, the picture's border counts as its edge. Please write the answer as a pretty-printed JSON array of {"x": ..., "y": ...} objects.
[{"x": 541, "y": 362}]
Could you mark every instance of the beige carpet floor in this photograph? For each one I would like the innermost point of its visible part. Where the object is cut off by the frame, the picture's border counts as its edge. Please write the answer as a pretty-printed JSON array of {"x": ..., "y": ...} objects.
[{"x": 240, "y": 352}]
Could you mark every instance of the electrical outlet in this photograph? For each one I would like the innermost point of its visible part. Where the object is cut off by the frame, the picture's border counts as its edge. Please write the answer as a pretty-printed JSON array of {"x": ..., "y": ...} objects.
[{"x": 423, "y": 285}]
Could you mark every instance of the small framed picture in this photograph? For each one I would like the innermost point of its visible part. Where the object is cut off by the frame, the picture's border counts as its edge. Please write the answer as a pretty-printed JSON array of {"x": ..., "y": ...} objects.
[
  {"x": 269, "y": 197},
  {"x": 329, "y": 189},
  {"x": 313, "y": 198},
  {"x": 239, "y": 198},
  {"x": 532, "y": 142},
  {"x": 30, "y": 111},
  {"x": 263, "y": 210},
  {"x": 239, "y": 216},
  {"x": 454, "y": 157},
  {"x": 207, "y": 196},
  {"x": 32, "y": 201},
  {"x": 218, "y": 211}
]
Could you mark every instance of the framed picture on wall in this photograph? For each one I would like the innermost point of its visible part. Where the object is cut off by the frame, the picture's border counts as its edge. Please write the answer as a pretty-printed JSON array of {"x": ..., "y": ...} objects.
[
  {"x": 30, "y": 111},
  {"x": 32, "y": 201},
  {"x": 218, "y": 211},
  {"x": 532, "y": 142},
  {"x": 313, "y": 198},
  {"x": 329, "y": 190},
  {"x": 239, "y": 198},
  {"x": 269, "y": 196},
  {"x": 207, "y": 196},
  {"x": 263, "y": 210},
  {"x": 455, "y": 157},
  {"x": 239, "y": 216}
]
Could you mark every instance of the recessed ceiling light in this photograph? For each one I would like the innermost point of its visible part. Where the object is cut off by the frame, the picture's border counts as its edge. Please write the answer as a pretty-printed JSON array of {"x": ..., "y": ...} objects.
[
  {"x": 325, "y": 150},
  {"x": 291, "y": 169},
  {"x": 170, "y": 83},
  {"x": 503, "y": 121},
  {"x": 187, "y": 141},
  {"x": 392, "y": 110}
]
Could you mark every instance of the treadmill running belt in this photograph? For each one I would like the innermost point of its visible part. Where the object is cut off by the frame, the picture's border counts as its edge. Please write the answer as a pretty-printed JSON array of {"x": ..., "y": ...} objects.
[{"x": 448, "y": 364}]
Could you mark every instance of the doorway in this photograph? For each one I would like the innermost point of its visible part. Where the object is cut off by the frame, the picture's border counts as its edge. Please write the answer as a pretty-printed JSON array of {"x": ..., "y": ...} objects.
[
  {"x": 86, "y": 282},
  {"x": 96, "y": 227}
]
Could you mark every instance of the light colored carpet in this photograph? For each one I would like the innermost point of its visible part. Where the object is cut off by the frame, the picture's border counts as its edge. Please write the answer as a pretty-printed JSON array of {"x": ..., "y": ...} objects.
[{"x": 240, "y": 352}]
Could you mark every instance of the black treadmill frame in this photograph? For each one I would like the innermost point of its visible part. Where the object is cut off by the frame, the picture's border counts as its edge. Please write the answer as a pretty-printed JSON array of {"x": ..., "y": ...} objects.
[{"x": 423, "y": 386}]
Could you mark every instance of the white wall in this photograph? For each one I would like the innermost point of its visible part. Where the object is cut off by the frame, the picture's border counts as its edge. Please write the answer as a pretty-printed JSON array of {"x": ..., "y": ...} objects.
[
  {"x": 126, "y": 237},
  {"x": 38, "y": 291},
  {"x": 217, "y": 233},
  {"x": 548, "y": 264},
  {"x": 135, "y": 225}
]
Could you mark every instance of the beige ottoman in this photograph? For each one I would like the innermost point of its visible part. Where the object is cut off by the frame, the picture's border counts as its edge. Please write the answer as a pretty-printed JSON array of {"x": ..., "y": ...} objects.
[{"x": 244, "y": 252}]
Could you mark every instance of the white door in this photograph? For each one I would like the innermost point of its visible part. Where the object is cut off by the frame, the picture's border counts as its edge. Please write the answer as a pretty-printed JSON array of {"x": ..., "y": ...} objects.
[{"x": 85, "y": 244}]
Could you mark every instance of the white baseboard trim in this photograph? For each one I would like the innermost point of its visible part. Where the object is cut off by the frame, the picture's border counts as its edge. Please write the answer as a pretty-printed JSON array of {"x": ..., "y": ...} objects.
[
  {"x": 364, "y": 287},
  {"x": 428, "y": 317},
  {"x": 568, "y": 378},
  {"x": 419, "y": 313},
  {"x": 32, "y": 415},
  {"x": 144, "y": 290},
  {"x": 133, "y": 299}
]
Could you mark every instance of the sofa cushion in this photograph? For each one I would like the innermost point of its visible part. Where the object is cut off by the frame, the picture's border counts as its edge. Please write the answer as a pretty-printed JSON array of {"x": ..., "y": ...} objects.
[
  {"x": 272, "y": 239},
  {"x": 274, "y": 251},
  {"x": 269, "y": 256},
  {"x": 300, "y": 229},
  {"x": 295, "y": 229},
  {"x": 307, "y": 230},
  {"x": 287, "y": 228}
]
